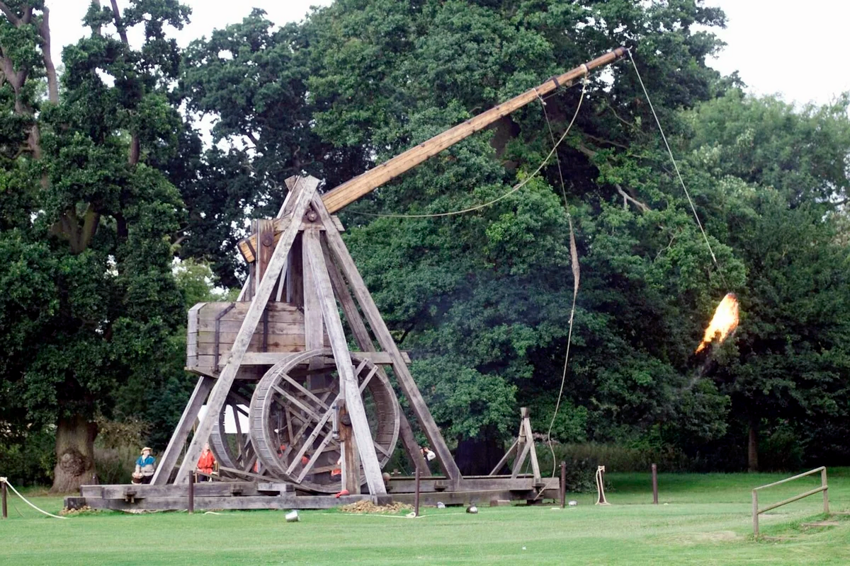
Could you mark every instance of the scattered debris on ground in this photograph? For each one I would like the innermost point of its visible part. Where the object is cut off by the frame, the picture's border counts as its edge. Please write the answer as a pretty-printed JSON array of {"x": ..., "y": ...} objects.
[
  {"x": 84, "y": 510},
  {"x": 366, "y": 506}
]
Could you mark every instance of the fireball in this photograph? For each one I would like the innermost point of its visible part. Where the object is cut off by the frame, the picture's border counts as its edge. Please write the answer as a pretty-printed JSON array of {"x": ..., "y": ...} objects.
[{"x": 723, "y": 323}]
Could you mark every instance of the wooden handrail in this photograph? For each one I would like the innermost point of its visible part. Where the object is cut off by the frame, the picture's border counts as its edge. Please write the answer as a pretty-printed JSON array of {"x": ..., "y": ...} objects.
[
  {"x": 824, "y": 487},
  {"x": 798, "y": 476}
]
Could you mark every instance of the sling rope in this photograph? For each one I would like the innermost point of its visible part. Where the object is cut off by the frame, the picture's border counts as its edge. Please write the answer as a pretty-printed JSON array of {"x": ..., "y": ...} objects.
[
  {"x": 514, "y": 189},
  {"x": 576, "y": 277},
  {"x": 6, "y": 481},
  {"x": 676, "y": 167}
]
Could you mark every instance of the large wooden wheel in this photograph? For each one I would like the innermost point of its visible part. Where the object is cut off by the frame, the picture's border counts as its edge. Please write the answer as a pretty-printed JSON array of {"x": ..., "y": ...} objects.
[
  {"x": 234, "y": 451},
  {"x": 292, "y": 415}
]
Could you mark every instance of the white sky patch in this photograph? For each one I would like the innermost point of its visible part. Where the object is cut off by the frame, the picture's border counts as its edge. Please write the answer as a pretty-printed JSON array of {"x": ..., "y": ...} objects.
[{"x": 784, "y": 47}]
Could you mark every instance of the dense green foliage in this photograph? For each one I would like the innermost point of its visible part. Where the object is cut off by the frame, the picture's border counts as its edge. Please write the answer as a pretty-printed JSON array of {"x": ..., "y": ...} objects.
[{"x": 115, "y": 182}]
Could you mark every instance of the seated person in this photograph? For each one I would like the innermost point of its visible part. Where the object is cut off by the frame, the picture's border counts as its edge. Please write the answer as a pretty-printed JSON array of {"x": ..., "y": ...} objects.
[
  {"x": 206, "y": 464},
  {"x": 145, "y": 467}
]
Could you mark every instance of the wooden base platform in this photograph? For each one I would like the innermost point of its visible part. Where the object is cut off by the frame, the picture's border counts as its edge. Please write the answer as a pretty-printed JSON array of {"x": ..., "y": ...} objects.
[{"x": 269, "y": 495}]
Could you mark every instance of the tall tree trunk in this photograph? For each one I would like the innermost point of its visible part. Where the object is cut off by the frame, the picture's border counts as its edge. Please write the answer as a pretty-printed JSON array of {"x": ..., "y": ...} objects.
[
  {"x": 74, "y": 454},
  {"x": 753, "y": 446}
]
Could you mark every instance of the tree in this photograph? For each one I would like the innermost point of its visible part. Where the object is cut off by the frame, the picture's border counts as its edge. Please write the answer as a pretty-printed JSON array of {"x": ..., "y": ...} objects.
[{"x": 87, "y": 221}]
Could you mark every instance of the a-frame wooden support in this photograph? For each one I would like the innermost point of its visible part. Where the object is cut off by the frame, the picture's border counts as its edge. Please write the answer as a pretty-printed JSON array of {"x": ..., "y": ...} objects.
[
  {"x": 328, "y": 274},
  {"x": 523, "y": 446}
]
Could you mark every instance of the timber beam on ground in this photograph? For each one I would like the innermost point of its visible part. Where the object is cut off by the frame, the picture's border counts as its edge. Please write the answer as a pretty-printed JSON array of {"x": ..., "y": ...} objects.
[
  {"x": 438, "y": 484},
  {"x": 278, "y": 495}
]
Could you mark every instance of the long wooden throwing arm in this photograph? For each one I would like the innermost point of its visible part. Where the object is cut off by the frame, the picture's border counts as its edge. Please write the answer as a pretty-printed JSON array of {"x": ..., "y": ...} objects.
[
  {"x": 367, "y": 182},
  {"x": 352, "y": 190}
]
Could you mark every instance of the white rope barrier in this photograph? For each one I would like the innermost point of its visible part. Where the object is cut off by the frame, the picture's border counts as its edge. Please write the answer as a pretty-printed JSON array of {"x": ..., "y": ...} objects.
[{"x": 6, "y": 481}]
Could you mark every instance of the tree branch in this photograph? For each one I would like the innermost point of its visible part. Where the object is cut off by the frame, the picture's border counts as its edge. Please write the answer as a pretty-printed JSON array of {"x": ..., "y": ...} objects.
[
  {"x": 50, "y": 68},
  {"x": 119, "y": 23},
  {"x": 9, "y": 13},
  {"x": 628, "y": 199}
]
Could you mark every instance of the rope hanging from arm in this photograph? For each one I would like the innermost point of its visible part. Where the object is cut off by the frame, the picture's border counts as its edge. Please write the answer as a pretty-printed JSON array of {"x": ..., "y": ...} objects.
[
  {"x": 514, "y": 189},
  {"x": 676, "y": 167}
]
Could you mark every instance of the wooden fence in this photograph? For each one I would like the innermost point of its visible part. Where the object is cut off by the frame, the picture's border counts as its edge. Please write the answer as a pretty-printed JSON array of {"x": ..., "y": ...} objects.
[{"x": 823, "y": 488}]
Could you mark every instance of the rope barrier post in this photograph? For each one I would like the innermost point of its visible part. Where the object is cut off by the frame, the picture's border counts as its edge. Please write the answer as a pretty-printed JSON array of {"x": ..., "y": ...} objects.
[
  {"x": 654, "y": 484},
  {"x": 5, "y": 495},
  {"x": 191, "y": 493},
  {"x": 755, "y": 513},
  {"x": 563, "y": 485},
  {"x": 416, "y": 493}
]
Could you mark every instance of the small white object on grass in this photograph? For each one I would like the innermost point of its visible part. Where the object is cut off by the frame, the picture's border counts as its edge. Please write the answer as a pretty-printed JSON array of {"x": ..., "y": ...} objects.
[
  {"x": 573, "y": 503},
  {"x": 441, "y": 505},
  {"x": 292, "y": 517},
  {"x": 523, "y": 548},
  {"x": 472, "y": 509}
]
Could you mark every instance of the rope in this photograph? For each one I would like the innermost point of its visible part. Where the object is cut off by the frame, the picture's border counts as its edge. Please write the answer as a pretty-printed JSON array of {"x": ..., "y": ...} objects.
[
  {"x": 514, "y": 189},
  {"x": 676, "y": 167},
  {"x": 576, "y": 276},
  {"x": 4, "y": 480}
]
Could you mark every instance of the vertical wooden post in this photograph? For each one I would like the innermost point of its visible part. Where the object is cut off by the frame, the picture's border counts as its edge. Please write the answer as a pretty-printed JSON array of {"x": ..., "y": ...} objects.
[
  {"x": 755, "y": 513},
  {"x": 5, "y": 495},
  {"x": 192, "y": 493},
  {"x": 655, "y": 484},
  {"x": 563, "y": 484},
  {"x": 350, "y": 464},
  {"x": 825, "y": 487},
  {"x": 415, "y": 495}
]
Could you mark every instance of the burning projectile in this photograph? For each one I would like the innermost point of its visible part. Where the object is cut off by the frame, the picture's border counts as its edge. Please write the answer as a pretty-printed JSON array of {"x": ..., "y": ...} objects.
[{"x": 724, "y": 322}]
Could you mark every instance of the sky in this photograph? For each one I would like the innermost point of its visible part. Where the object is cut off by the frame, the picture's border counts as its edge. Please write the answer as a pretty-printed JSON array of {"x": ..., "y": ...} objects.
[{"x": 784, "y": 47}]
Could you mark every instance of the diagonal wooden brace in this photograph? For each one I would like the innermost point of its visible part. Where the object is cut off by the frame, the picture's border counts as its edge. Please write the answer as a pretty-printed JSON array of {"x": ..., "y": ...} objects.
[
  {"x": 218, "y": 396},
  {"x": 342, "y": 358},
  {"x": 385, "y": 339}
]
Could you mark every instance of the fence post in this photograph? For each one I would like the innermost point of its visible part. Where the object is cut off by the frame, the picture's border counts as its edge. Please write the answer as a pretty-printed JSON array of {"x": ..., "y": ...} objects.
[
  {"x": 755, "y": 513},
  {"x": 825, "y": 487},
  {"x": 416, "y": 494},
  {"x": 563, "y": 485},
  {"x": 5, "y": 509},
  {"x": 654, "y": 484},
  {"x": 192, "y": 492}
]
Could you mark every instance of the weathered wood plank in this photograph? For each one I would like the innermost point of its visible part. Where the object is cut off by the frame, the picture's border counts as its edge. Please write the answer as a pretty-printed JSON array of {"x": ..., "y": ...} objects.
[
  {"x": 181, "y": 432},
  {"x": 364, "y": 342},
  {"x": 382, "y": 333},
  {"x": 314, "y": 337},
  {"x": 342, "y": 357},
  {"x": 535, "y": 465},
  {"x": 222, "y": 386},
  {"x": 202, "y": 489}
]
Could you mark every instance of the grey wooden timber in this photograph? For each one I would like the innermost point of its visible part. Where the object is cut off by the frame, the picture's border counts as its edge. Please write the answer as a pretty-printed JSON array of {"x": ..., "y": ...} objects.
[
  {"x": 342, "y": 357},
  {"x": 364, "y": 342},
  {"x": 181, "y": 432},
  {"x": 385, "y": 339},
  {"x": 218, "y": 395}
]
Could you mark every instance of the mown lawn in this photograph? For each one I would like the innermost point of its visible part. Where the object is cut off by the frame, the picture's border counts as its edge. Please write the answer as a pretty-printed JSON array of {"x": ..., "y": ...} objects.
[{"x": 706, "y": 520}]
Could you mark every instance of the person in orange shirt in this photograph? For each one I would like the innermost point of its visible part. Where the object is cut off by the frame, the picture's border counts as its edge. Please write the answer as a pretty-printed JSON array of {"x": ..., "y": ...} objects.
[{"x": 206, "y": 463}]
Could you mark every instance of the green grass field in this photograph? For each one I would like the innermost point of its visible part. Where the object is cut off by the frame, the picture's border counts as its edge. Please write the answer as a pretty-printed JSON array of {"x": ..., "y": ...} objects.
[{"x": 702, "y": 519}]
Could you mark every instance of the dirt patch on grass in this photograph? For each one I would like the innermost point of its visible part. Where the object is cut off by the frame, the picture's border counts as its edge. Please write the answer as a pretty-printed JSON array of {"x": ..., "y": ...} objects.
[{"x": 367, "y": 506}]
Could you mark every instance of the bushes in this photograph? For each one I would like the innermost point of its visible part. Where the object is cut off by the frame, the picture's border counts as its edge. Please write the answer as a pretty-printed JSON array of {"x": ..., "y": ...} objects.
[
  {"x": 28, "y": 459},
  {"x": 116, "y": 449}
]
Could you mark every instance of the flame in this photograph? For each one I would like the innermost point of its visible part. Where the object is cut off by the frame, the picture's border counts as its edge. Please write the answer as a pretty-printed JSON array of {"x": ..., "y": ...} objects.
[{"x": 724, "y": 321}]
